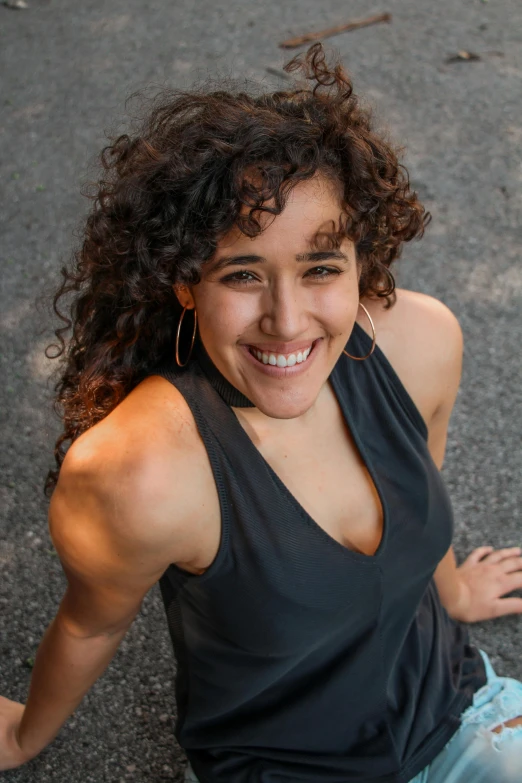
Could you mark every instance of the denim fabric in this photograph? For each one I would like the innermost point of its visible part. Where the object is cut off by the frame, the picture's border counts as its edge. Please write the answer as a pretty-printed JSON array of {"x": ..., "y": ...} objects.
[{"x": 475, "y": 754}]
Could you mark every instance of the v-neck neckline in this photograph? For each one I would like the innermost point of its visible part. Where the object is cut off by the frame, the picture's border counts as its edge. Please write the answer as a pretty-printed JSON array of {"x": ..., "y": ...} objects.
[{"x": 248, "y": 443}]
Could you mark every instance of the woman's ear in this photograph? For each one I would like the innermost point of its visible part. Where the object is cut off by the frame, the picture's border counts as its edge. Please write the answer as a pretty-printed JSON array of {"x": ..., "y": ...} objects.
[{"x": 184, "y": 295}]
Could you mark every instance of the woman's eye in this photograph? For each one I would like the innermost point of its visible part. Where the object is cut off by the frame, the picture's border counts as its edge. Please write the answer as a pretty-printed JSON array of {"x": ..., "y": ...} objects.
[
  {"x": 323, "y": 272},
  {"x": 244, "y": 277},
  {"x": 239, "y": 277}
]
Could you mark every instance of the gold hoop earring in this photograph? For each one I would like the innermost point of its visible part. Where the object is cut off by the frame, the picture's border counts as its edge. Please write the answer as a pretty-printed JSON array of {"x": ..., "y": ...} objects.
[
  {"x": 193, "y": 337},
  {"x": 374, "y": 336}
]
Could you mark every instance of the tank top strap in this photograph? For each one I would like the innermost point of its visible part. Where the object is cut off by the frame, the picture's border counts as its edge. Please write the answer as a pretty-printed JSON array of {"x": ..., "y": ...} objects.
[{"x": 374, "y": 380}]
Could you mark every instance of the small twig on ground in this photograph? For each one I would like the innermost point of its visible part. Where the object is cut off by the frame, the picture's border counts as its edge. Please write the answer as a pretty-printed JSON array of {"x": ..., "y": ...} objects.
[
  {"x": 15, "y": 4},
  {"x": 292, "y": 43},
  {"x": 464, "y": 56}
]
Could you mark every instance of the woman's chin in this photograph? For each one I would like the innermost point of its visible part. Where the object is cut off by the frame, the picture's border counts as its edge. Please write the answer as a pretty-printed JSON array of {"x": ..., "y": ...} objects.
[
  {"x": 283, "y": 392},
  {"x": 280, "y": 405}
]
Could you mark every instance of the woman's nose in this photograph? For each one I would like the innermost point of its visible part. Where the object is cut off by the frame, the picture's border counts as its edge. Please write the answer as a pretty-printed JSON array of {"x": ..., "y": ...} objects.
[{"x": 284, "y": 313}]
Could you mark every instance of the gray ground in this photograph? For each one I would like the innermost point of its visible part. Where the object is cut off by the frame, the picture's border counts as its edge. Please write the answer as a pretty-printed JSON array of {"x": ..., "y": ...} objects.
[{"x": 66, "y": 69}]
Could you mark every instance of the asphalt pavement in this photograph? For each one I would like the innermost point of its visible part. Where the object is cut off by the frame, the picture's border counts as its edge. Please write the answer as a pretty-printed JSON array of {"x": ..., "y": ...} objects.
[{"x": 66, "y": 69}]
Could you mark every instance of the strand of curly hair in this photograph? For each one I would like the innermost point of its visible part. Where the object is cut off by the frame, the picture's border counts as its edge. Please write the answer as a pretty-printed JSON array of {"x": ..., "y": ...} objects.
[{"x": 171, "y": 189}]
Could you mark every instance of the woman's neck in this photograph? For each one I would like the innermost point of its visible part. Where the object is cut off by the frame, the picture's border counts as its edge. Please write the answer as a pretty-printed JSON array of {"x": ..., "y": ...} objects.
[{"x": 261, "y": 427}]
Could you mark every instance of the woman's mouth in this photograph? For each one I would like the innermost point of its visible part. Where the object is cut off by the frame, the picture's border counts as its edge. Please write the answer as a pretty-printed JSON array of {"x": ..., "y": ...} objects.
[{"x": 280, "y": 359}]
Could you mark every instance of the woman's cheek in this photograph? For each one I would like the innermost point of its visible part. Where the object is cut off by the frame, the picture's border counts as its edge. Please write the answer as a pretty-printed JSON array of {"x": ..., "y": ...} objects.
[
  {"x": 337, "y": 307},
  {"x": 227, "y": 316}
]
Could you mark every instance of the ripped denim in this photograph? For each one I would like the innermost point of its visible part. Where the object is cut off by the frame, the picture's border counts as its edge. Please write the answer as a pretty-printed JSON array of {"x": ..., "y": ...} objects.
[{"x": 475, "y": 753}]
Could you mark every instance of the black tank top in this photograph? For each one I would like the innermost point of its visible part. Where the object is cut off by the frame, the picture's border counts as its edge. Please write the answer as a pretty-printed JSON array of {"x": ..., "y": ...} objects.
[{"x": 297, "y": 658}]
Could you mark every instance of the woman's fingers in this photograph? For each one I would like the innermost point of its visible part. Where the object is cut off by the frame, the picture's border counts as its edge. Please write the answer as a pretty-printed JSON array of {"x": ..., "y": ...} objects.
[
  {"x": 478, "y": 554},
  {"x": 507, "y": 606},
  {"x": 511, "y": 564},
  {"x": 500, "y": 554},
  {"x": 512, "y": 582}
]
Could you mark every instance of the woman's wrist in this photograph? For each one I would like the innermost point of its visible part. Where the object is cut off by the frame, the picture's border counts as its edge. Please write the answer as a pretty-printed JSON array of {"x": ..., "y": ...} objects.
[
  {"x": 23, "y": 745},
  {"x": 458, "y": 610},
  {"x": 12, "y": 752}
]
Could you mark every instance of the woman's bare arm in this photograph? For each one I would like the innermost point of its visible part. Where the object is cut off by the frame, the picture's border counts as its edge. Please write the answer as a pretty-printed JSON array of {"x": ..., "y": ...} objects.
[
  {"x": 115, "y": 529},
  {"x": 424, "y": 342}
]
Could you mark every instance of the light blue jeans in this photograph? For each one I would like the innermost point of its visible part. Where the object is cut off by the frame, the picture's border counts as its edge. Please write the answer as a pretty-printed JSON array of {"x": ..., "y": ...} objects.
[{"x": 475, "y": 754}]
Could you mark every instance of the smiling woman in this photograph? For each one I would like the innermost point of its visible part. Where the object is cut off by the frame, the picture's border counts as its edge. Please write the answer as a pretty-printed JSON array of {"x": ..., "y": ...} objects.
[
  {"x": 289, "y": 308},
  {"x": 204, "y": 166},
  {"x": 257, "y": 421}
]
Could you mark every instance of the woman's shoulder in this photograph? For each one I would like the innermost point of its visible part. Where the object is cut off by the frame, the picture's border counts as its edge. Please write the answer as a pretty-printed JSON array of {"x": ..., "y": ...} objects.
[
  {"x": 429, "y": 316},
  {"x": 151, "y": 426},
  {"x": 141, "y": 464},
  {"x": 422, "y": 339}
]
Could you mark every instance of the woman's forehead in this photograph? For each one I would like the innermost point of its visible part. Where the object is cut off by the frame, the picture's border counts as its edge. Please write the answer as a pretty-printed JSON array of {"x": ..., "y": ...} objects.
[{"x": 312, "y": 207}]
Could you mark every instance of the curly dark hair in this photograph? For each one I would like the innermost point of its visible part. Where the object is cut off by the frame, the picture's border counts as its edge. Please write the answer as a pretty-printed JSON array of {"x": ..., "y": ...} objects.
[{"x": 177, "y": 184}]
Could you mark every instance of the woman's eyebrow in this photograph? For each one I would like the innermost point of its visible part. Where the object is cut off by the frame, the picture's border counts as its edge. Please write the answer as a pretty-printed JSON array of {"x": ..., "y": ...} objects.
[
  {"x": 234, "y": 260},
  {"x": 313, "y": 255},
  {"x": 321, "y": 255}
]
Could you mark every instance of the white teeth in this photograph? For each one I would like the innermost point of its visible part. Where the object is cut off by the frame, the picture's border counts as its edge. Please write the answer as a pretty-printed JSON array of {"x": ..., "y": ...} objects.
[{"x": 279, "y": 359}]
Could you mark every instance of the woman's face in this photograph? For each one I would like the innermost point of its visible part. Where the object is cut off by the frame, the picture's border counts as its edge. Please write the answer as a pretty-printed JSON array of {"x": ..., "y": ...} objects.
[{"x": 274, "y": 312}]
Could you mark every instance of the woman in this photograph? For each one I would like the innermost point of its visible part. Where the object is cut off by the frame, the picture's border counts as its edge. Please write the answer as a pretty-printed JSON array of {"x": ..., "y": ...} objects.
[{"x": 258, "y": 420}]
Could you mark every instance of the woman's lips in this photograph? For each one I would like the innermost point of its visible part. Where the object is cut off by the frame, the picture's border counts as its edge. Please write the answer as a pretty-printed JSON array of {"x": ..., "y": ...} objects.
[
  {"x": 281, "y": 359},
  {"x": 277, "y": 370}
]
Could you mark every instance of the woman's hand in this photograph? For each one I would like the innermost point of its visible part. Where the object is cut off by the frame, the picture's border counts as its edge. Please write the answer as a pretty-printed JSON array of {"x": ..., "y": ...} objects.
[
  {"x": 11, "y": 754},
  {"x": 485, "y": 576}
]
